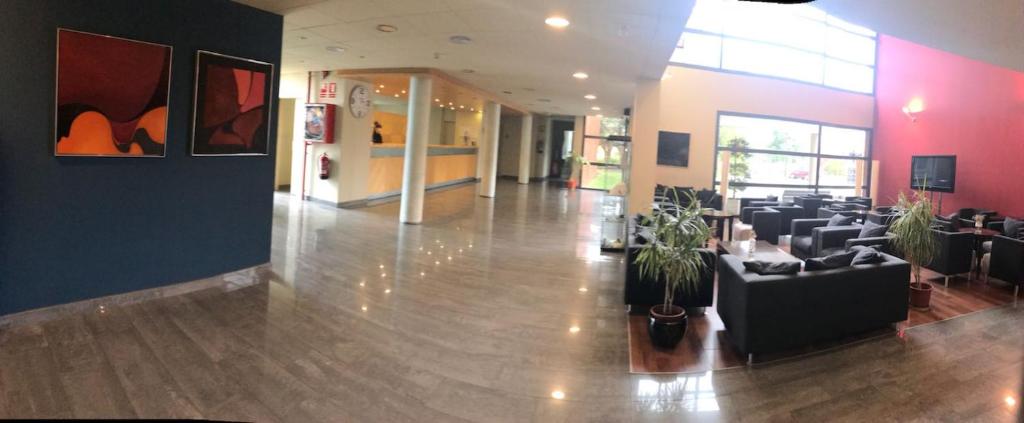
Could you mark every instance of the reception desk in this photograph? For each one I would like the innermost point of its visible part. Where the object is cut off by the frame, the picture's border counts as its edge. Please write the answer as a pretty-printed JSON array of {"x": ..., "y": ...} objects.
[{"x": 446, "y": 165}]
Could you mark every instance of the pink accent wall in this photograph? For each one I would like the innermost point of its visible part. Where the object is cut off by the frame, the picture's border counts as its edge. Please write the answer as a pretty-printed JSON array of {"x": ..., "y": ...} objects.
[{"x": 973, "y": 110}]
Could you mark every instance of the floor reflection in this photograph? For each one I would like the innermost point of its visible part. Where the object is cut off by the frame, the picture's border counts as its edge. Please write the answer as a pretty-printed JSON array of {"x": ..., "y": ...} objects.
[{"x": 693, "y": 393}]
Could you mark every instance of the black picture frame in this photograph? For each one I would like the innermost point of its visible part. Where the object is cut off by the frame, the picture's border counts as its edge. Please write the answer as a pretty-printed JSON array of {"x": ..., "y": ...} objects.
[{"x": 673, "y": 149}]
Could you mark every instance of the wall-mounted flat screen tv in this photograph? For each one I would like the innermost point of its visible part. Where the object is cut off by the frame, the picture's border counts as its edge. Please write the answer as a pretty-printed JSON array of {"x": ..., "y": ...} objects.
[{"x": 933, "y": 173}]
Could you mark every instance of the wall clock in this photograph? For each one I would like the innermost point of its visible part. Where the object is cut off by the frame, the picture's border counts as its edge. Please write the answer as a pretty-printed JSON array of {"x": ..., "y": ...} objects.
[{"x": 359, "y": 101}]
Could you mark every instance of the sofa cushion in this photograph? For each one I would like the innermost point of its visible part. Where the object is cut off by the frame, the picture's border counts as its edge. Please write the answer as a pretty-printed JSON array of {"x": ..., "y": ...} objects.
[
  {"x": 840, "y": 220},
  {"x": 767, "y": 268},
  {"x": 834, "y": 261},
  {"x": 1012, "y": 227},
  {"x": 872, "y": 230},
  {"x": 802, "y": 243},
  {"x": 866, "y": 255},
  {"x": 953, "y": 221}
]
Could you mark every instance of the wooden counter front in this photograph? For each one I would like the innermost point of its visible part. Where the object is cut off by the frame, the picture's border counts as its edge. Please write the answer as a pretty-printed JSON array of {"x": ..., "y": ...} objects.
[{"x": 445, "y": 164}]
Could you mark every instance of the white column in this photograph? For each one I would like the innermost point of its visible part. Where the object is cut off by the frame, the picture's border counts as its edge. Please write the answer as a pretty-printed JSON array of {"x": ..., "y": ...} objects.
[
  {"x": 525, "y": 147},
  {"x": 489, "y": 150},
  {"x": 414, "y": 174}
]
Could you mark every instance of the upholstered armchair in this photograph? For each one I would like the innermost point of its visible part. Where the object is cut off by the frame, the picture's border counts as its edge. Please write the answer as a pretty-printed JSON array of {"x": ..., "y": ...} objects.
[
  {"x": 955, "y": 253},
  {"x": 747, "y": 213},
  {"x": 1007, "y": 261},
  {"x": 810, "y": 206}
]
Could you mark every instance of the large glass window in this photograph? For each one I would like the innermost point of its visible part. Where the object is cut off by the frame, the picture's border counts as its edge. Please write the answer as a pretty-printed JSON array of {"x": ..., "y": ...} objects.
[
  {"x": 797, "y": 42},
  {"x": 769, "y": 156}
]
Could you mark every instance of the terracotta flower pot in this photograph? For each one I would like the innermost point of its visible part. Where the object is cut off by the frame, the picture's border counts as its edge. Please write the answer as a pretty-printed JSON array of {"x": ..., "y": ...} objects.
[
  {"x": 571, "y": 184},
  {"x": 920, "y": 295},
  {"x": 666, "y": 329}
]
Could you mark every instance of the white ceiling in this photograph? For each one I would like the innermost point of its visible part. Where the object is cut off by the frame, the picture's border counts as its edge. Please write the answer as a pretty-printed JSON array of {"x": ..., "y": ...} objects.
[
  {"x": 616, "y": 42},
  {"x": 987, "y": 30}
]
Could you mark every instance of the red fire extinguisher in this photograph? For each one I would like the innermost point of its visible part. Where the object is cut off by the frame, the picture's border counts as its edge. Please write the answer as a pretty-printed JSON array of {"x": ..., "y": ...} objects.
[{"x": 325, "y": 166}]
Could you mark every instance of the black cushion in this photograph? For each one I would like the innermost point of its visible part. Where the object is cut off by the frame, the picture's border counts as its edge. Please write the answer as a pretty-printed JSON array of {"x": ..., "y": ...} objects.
[
  {"x": 834, "y": 261},
  {"x": 866, "y": 255},
  {"x": 766, "y": 268},
  {"x": 840, "y": 220},
  {"x": 802, "y": 243},
  {"x": 872, "y": 230},
  {"x": 771, "y": 198},
  {"x": 1012, "y": 227}
]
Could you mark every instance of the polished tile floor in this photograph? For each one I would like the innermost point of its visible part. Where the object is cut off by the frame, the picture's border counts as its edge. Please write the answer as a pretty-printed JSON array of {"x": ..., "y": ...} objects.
[{"x": 492, "y": 310}]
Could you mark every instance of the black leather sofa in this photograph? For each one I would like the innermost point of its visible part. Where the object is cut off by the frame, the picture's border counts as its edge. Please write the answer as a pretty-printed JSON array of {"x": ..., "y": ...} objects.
[
  {"x": 1007, "y": 261},
  {"x": 643, "y": 292},
  {"x": 747, "y": 213},
  {"x": 765, "y": 314},
  {"x": 955, "y": 254}
]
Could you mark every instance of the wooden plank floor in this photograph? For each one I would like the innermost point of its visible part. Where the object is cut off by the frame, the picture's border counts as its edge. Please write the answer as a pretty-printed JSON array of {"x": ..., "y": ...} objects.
[{"x": 706, "y": 346}]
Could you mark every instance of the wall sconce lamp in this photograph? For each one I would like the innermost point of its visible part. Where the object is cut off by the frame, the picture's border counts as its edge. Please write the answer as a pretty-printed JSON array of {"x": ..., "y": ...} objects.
[{"x": 912, "y": 108}]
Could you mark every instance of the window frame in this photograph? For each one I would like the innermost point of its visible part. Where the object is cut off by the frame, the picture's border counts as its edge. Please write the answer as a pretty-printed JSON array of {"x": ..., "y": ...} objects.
[
  {"x": 824, "y": 54},
  {"x": 818, "y": 156}
]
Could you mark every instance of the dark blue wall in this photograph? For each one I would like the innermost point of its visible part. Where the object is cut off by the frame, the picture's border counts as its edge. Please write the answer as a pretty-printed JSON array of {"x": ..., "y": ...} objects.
[{"x": 76, "y": 228}]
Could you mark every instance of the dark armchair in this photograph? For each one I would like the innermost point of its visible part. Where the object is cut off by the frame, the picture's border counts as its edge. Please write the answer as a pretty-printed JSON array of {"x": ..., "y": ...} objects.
[
  {"x": 1007, "y": 262},
  {"x": 747, "y": 213},
  {"x": 810, "y": 206},
  {"x": 955, "y": 254}
]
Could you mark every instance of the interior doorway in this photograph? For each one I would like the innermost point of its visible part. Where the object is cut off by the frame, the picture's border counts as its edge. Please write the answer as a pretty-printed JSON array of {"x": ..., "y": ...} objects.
[
  {"x": 561, "y": 148},
  {"x": 285, "y": 138}
]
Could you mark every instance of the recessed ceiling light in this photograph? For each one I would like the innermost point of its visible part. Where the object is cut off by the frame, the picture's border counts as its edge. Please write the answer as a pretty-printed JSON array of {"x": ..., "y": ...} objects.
[
  {"x": 468, "y": 71},
  {"x": 396, "y": 95},
  {"x": 377, "y": 91},
  {"x": 462, "y": 107},
  {"x": 437, "y": 100},
  {"x": 595, "y": 108},
  {"x": 450, "y": 103},
  {"x": 335, "y": 49},
  {"x": 557, "y": 395},
  {"x": 507, "y": 92},
  {"x": 590, "y": 97},
  {"x": 544, "y": 100},
  {"x": 557, "y": 22},
  {"x": 460, "y": 39},
  {"x": 380, "y": 86},
  {"x": 387, "y": 28},
  {"x": 472, "y": 110},
  {"x": 580, "y": 75},
  {"x": 403, "y": 91}
]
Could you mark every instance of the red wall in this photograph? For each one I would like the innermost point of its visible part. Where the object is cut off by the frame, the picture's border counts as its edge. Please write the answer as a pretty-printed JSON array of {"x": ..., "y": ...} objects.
[{"x": 972, "y": 110}]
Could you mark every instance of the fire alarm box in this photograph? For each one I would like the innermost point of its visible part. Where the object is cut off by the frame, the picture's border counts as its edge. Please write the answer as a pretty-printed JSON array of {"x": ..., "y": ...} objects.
[{"x": 320, "y": 122}]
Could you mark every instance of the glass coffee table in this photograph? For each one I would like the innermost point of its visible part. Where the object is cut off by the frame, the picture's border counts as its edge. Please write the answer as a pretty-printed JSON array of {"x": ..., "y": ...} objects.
[{"x": 763, "y": 251}]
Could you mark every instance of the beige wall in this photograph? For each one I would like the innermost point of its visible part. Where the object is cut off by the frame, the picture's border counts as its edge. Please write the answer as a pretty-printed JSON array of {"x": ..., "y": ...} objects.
[
  {"x": 392, "y": 126},
  {"x": 468, "y": 124},
  {"x": 285, "y": 137},
  {"x": 689, "y": 100},
  {"x": 349, "y": 154}
]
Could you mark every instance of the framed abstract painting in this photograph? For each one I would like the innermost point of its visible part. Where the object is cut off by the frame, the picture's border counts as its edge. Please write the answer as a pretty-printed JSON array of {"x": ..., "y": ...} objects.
[
  {"x": 231, "y": 114},
  {"x": 111, "y": 96}
]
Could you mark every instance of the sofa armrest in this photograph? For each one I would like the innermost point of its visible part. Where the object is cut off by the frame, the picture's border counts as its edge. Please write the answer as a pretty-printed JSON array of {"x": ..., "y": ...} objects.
[
  {"x": 803, "y": 227},
  {"x": 832, "y": 237},
  {"x": 1007, "y": 261},
  {"x": 767, "y": 225},
  {"x": 731, "y": 304},
  {"x": 868, "y": 242}
]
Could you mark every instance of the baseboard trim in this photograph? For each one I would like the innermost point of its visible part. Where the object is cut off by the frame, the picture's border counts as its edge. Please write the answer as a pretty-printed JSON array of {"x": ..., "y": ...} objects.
[{"x": 227, "y": 282}]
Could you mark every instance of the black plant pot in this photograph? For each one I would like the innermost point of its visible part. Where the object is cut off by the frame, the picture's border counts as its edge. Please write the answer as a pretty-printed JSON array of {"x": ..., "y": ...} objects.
[{"x": 666, "y": 328}]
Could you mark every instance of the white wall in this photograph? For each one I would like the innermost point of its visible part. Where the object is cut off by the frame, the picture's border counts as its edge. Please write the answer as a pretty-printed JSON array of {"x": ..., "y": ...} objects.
[
  {"x": 349, "y": 154},
  {"x": 689, "y": 101}
]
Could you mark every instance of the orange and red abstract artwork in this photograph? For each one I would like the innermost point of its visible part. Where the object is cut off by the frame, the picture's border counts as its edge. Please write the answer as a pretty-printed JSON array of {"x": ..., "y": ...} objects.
[
  {"x": 111, "y": 96},
  {"x": 232, "y": 106}
]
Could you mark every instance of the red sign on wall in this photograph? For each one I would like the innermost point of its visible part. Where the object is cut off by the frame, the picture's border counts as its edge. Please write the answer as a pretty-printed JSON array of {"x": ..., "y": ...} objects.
[{"x": 328, "y": 90}]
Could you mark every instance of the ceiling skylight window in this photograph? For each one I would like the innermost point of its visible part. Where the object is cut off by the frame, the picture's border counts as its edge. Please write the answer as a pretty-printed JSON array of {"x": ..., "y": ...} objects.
[{"x": 797, "y": 42}]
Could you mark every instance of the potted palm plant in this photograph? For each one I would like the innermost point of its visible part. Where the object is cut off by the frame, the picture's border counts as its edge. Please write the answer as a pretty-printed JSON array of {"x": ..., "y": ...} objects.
[
  {"x": 913, "y": 238},
  {"x": 576, "y": 162},
  {"x": 672, "y": 256}
]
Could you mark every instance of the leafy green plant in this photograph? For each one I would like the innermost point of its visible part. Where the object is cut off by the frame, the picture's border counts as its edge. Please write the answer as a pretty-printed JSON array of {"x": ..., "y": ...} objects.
[
  {"x": 739, "y": 169},
  {"x": 672, "y": 252},
  {"x": 912, "y": 232}
]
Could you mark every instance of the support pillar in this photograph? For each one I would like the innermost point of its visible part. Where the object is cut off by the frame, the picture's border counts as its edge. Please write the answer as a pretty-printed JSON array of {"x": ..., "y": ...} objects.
[
  {"x": 414, "y": 172},
  {"x": 489, "y": 150},
  {"x": 525, "y": 147}
]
